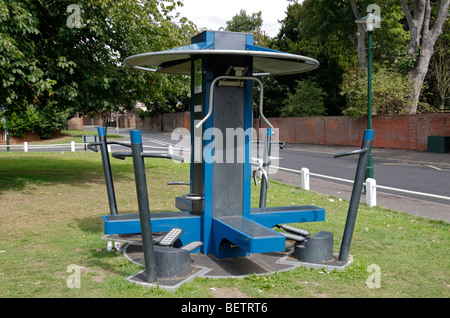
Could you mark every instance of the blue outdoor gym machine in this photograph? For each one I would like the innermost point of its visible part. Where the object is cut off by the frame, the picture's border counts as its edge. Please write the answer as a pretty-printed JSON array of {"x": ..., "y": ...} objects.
[{"x": 216, "y": 217}]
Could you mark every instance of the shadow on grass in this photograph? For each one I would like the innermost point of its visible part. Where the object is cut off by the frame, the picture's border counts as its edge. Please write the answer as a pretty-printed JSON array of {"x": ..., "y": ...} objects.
[
  {"x": 91, "y": 224},
  {"x": 19, "y": 170}
]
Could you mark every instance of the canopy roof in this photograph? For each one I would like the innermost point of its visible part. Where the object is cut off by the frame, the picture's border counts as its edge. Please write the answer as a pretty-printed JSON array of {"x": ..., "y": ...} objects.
[{"x": 212, "y": 43}]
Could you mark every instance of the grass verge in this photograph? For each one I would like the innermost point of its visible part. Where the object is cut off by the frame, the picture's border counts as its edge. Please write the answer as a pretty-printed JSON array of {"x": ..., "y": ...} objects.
[{"x": 50, "y": 208}]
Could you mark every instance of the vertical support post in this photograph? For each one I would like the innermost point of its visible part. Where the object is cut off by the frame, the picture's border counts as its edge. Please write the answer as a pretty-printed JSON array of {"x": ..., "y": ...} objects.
[
  {"x": 72, "y": 146},
  {"x": 305, "y": 178},
  {"x": 356, "y": 196},
  {"x": 371, "y": 192},
  {"x": 143, "y": 204},
  {"x": 107, "y": 171},
  {"x": 265, "y": 166},
  {"x": 25, "y": 146}
]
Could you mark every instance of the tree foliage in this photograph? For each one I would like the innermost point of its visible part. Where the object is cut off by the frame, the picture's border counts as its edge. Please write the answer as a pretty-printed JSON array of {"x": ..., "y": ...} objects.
[
  {"x": 391, "y": 93},
  {"x": 44, "y": 121},
  {"x": 47, "y": 59},
  {"x": 245, "y": 23},
  {"x": 306, "y": 101},
  {"x": 439, "y": 73},
  {"x": 326, "y": 30}
]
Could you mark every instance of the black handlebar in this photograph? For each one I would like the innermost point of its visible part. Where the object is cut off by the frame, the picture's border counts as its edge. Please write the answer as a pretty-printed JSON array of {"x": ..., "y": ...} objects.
[
  {"x": 122, "y": 155},
  {"x": 99, "y": 143},
  {"x": 350, "y": 153},
  {"x": 92, "y": 144},
  {"x": 281, "y": 143},
  {"x": 118, "y": 143}
]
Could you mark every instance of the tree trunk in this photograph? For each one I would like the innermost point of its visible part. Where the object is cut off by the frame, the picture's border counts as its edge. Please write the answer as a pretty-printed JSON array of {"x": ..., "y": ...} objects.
[
  {"x": 418, "y": 73},
  {"x": 421, "y": 36},
  {"x": 360, "y": 39}
]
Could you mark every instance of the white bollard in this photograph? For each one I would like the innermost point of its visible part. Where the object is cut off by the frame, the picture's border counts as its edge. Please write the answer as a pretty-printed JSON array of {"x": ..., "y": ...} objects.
[
  {"x": 305, "y": 178},
  {"x": 25, "y": 146},
  {"x": 371, "y": 192},
  {"x": 109, "y": 148},
  {"x": 170, "y": 150},
  {"x": 72, "y": 146}
]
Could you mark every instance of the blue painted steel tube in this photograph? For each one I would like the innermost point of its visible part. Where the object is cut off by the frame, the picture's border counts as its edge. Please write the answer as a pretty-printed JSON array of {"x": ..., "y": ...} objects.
[
  {"x": 356, "y": 193},
  {"x": 143, "y": 204},
  {"x": 107, "y": 170}
]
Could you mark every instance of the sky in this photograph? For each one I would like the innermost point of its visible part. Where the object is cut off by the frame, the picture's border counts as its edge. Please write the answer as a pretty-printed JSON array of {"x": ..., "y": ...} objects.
[{"x": 213, "y": 14}]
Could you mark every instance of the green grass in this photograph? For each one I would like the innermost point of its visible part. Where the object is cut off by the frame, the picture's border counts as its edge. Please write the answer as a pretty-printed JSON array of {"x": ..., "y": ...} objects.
[{"x": 50, "y": 211}]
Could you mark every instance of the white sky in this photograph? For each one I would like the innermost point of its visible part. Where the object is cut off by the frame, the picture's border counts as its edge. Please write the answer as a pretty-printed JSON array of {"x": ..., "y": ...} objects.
[{"x": 214, "y": 14}]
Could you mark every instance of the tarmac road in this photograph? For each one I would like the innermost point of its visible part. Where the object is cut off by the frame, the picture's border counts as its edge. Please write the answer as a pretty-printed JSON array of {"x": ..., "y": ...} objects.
[{"x": 411, "y": 170}]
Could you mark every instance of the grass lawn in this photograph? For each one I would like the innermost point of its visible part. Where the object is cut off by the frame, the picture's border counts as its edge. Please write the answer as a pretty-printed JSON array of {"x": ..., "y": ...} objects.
[{"x": 50, "y": 208}]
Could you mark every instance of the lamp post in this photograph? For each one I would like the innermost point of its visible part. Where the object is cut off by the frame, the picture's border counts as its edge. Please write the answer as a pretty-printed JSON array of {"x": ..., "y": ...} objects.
[{"x": 369, "y": 22}]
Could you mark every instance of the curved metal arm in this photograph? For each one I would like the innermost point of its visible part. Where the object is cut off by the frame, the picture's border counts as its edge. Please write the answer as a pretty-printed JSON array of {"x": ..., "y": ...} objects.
[
  {"x": 92, "y": 144},
  {"x": 178, "y": 183},
  {"x": 162, "y": 156},
  {"x": 350, "y": 153},
  {"x": 281, "y": 143},
  {"x": 122, "y": 155},
  {"x": 118, "y": 143},
  {"x": 211, "y": 97},
  {"x": 99, "y": 143},
  {"x": 261, "y": 173},
  {"x": 193, "y": 196}
]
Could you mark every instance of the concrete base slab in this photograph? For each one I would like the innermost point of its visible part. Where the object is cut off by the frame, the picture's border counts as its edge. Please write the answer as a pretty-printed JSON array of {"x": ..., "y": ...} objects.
[
  {"x": 330, "y": 265},
  {"x": 211, "y": 267}
]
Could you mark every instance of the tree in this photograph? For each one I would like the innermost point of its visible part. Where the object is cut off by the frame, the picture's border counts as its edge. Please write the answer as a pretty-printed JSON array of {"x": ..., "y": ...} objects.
[
  {"x": 404, "y": 44},
  {"x": 65, "y": 55},
  {"x": 391, "y": 93},
  {"x": 360, "y": 42},
  {"x": 249, "y": 23},
  {"x": 245, "y": 23},
  {"x": 22, "y": 76},
  {"x": 425, "y": 24},
  {"x": 440, "y": 67},
  {"x": 321, "y": 30},
  {"x": 306, "y": 101}
]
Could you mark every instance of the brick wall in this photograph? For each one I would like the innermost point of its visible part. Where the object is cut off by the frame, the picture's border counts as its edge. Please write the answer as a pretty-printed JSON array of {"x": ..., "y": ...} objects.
[
  {"x": 164, "y": 122},
  {"x": 398, "y": 132}
]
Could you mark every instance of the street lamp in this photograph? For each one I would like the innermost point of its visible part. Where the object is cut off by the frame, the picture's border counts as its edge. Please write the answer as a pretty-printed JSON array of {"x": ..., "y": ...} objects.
[{"x": 370, "y": 22}]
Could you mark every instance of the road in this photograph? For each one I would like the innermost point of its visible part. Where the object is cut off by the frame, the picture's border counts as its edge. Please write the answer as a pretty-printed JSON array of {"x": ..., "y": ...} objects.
[
  {"x": 413, "y": 174},
  {"x": 410, "y": 170}
]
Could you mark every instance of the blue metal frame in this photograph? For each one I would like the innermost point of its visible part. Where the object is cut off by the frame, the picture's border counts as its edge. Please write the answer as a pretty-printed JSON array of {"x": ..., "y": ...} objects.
[{"x": 251, "y": 230}]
